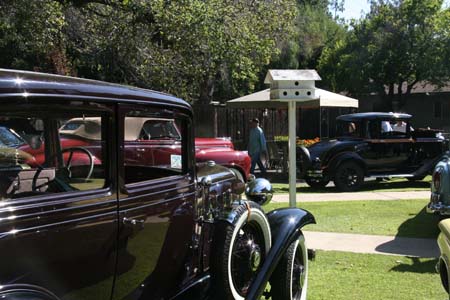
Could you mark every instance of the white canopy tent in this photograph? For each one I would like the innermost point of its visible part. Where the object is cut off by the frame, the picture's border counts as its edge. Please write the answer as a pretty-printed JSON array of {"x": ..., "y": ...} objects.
[{"x": 291, "y": 89}]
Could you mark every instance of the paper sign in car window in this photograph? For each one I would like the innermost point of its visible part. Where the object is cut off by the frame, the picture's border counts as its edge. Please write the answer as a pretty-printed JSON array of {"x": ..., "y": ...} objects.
[{"x": 175, "y": 161}]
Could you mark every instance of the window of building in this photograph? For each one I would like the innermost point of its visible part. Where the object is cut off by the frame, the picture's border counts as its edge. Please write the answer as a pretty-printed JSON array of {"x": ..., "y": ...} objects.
[{"x": 41, "y": 153}]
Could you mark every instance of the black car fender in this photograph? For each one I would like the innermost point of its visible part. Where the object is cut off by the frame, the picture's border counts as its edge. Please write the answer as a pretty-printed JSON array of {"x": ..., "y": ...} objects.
[
  {"x": 285, "y": 225},
  {"x": 304, "y": 162},
  {"x": 340, "y": 158}
]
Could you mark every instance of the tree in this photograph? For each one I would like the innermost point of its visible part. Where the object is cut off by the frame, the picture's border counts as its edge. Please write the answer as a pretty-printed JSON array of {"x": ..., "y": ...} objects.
[
  {"x": 396, "y": 46},
  {"x": 315, "y": 29},
  {"x": 190, "y": 48},
  {"x": 31, "y": 36}
]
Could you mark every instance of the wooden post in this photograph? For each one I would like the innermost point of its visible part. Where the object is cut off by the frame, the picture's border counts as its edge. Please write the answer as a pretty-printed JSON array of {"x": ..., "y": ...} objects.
[{"x": 292, "y": 154}]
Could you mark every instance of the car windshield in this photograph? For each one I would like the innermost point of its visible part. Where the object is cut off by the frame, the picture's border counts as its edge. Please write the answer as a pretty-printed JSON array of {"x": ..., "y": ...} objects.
[
  {"x": 159, "y": 129},
  {"x": 9, "y": 139},
  {"x": 348, "y": 129}
]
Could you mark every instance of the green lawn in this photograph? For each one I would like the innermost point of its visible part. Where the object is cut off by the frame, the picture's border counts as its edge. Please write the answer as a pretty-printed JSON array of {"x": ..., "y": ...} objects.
[
  {"x": 340, "y": 275},
  {"x": 393, "y": 185},
  {"x": 398, "y": 217}
]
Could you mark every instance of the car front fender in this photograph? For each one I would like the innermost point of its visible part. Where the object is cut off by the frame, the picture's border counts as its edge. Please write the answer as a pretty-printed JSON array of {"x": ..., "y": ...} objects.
[{"x": 285, "y": 225}]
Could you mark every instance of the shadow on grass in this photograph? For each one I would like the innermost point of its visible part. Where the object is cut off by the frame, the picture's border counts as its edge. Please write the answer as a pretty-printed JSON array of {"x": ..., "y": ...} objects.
[
  {"x": 421, "y": 225},
  {"x": 417, "y": 265},
  {"x": 415, "y": 237}
]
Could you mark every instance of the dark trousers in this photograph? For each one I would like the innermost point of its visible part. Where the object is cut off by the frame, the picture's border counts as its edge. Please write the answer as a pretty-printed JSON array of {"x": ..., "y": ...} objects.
[{"x": 256, "y": 159}]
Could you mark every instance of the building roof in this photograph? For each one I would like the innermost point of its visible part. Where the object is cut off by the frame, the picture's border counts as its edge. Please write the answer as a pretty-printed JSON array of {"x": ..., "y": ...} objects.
[
  {"x": 14, "y": 83},
  {"x": 374, "y": 116},
  {"x": 261, "y": 99},
  {"x": 289, "y": 75},
  {"x": 422, "y": 88}
]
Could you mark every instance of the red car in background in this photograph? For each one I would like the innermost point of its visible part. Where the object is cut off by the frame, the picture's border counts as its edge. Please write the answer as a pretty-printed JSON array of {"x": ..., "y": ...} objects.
[{"x": 155, "y": 139}]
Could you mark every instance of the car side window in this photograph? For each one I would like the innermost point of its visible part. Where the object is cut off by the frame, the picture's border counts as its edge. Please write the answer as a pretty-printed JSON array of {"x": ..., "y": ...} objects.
[
  {"x": 50, "y": 152},
  {"x": 152, "y": 146},
  {"x": 373, "y": 129}
]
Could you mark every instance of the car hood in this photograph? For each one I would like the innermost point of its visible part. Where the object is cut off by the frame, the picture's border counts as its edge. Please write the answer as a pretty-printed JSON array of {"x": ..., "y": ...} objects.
[
  {"x": 213, "y": 142},
  {"x": 218, "y": 154},
  {"x": 323, "y": 148}
]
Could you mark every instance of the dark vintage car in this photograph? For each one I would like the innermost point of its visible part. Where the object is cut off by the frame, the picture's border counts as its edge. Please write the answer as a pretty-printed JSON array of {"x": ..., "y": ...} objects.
[
  {"x": 377, "y": 145},
  {"x": 95, "y": 221}
]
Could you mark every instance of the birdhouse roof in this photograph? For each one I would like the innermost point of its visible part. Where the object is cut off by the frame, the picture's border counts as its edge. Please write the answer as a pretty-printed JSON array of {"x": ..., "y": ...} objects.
[{"x": 289, "y": 75}]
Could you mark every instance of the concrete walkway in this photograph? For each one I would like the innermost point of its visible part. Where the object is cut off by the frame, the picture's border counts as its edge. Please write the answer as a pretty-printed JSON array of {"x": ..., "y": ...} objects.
[
  {"x": 361, "y": 243},
  {"x": 353, "y": 196}
]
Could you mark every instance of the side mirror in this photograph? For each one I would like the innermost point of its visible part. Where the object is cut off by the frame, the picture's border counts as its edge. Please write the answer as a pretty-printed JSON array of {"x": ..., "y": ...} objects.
[{"x": 259, "y": 190}]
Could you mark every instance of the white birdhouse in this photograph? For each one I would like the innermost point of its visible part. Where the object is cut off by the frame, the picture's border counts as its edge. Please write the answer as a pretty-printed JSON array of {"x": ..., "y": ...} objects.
[{"x": 292, "y": 85}]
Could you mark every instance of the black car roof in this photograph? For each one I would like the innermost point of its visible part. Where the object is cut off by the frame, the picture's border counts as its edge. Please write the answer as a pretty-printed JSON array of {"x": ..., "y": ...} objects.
[
  {"x": 374, "y": 116},
  {"x": 14, "y": 83}
]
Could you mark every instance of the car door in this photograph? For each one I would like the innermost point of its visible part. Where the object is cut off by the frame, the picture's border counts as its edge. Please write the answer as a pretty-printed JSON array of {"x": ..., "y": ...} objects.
[
  {"x": 156, "y": 212},
  {"x": 58, "y": 228},
  {"x": 388, "y": 150}
]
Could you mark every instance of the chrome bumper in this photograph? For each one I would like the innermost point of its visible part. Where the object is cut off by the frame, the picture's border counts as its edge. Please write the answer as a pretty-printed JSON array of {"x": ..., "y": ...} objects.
[{"x": 436, "y": 206}]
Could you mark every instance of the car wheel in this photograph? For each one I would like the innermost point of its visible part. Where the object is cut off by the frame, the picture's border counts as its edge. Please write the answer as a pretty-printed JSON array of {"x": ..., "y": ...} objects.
[
  {"x": 349, "y": 177},
  {"x": 238, "y": 174},
  {"x": 290, "y": 279},
  {"x": 239, "y": 251},
  {"x": 316, "y": 183}
]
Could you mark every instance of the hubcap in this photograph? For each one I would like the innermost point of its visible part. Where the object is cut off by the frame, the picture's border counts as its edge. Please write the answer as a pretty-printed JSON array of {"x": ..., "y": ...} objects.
[
  {"x": 255, "y": 260},
  {"x": 350, "y": 177},
  {"x": 246, "y": 257}
]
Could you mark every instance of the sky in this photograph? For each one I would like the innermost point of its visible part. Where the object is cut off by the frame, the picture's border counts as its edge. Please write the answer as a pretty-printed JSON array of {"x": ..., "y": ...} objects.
[{"x": 353, "y": 8}]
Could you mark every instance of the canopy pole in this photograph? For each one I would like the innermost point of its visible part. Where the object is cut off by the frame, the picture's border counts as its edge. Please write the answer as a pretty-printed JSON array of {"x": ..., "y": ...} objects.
[{"x": 292, "y": 153}]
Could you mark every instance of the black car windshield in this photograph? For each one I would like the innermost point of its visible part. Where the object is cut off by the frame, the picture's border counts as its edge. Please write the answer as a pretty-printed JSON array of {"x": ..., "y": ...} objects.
[
  {"x": 348, "y": 129},
  {"x": 9, "y": 139}
]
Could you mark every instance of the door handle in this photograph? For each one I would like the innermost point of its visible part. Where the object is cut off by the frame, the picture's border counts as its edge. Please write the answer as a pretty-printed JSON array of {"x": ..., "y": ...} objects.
[
  {"x": 127, "y": 221},
  {"x": 140, "y": 149}
]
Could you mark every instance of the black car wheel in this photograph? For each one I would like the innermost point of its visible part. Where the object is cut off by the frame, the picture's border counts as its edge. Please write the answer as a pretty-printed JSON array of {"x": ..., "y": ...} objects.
[
  {"x": 239, "y": 251},
  {"x": 290, "y": 279},
  {"x": 349, "y": 177},
  {"x": 316, "y": 183}
]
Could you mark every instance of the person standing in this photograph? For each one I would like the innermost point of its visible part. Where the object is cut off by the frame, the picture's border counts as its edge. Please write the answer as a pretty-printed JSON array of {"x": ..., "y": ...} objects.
[{"x": 256, "y": 146}]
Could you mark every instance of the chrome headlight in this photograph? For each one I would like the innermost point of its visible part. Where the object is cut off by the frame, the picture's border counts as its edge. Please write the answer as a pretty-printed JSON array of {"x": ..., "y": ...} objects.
[{"x": 259, "y": 190}]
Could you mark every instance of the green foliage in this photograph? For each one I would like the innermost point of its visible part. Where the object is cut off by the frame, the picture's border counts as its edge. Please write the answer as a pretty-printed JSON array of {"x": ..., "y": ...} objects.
[
  {"x": 197, "y": 50},
  {"x": 315, "y": 29},
  {"x": 396, "y": 45},
  {"x": 31, "y": 35}
]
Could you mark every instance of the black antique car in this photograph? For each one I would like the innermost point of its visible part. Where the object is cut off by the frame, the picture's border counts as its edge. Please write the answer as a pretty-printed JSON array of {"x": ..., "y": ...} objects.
[
  {"x": 83, "y": 219},
  {"x": 378, "y": 145}
]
